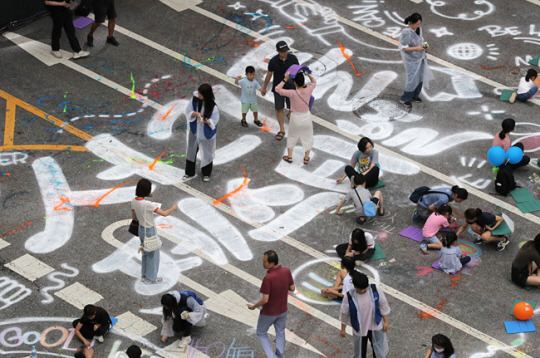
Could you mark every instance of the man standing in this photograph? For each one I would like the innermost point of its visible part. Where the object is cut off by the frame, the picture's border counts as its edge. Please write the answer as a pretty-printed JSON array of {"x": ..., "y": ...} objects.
[
  {"x": 277, "y": 67},
  {"x": 103, "y": 8},
  {"x": 275, "y": 289}
]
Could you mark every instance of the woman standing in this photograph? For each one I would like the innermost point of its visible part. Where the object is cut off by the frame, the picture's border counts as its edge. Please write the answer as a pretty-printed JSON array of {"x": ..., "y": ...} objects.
[
  {"x": 203, "y": 117},
  {"x": 143, "y": 210},
  {"x": 300, "y": 125},
  {"x": 365, "y": 161},
  {"x": 62, "y": 17},
  {"x": 413, "y": 52},
  {"x": 526, "y": 263}
]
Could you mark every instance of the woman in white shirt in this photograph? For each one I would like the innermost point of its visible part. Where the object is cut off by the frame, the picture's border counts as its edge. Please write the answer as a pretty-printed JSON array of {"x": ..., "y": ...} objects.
[
  {"x": 527, "y": 87},
  {"x": 143, "y": 210}
]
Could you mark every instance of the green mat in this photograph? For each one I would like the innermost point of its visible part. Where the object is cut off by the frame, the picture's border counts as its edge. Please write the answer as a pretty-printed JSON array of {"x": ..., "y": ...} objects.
[
  {"x": 535, "y": 61},
  {"x": 532, "y": 303},
  {"x": 379, "y": 184},
  {"x": 529, "y": 206},
  {"x": 502, "y": 229},
  {"x": 378, "y": 255},
  {"x": 505, "y": 95},
  {"x": 522, "y": 195}
]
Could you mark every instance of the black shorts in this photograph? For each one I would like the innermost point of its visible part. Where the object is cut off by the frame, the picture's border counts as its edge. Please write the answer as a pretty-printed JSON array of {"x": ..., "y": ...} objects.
[
  {"x": 375, "y": 201},
  {"x": 519, "y": 276},
  {"x": 104, "y": 8},
  {"x": 279, "y": 101}
]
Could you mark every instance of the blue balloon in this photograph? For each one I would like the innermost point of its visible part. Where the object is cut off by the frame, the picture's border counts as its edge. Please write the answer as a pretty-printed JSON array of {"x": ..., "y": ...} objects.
[
  {"x": 496, "y": 156},
  {"x": 514, "y": 155}
]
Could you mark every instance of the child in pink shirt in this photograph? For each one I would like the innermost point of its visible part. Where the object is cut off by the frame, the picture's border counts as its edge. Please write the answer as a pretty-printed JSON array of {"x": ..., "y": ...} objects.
[{"x": 435, "y": 222}]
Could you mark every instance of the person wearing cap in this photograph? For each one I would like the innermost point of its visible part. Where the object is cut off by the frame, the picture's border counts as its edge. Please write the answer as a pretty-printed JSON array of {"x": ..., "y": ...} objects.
[{"x": 277, "y": 66}]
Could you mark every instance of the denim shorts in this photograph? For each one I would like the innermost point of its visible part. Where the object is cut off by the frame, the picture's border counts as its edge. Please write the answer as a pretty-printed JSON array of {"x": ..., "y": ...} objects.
[{"x": 432, "y": 240}]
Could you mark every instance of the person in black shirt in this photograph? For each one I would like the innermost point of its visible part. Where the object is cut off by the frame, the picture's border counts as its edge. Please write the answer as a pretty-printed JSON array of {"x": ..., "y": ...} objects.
[
  {"x": 62, "y": 17},
  {"x": 95, "y": 322},
  {"x": 482, "y": 224},
  {"x": 277, "y": 66}
]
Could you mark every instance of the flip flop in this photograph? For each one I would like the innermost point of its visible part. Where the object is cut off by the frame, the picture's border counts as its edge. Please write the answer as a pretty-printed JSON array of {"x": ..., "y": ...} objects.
[
  {"x": 258, "y": 123},
  {"x": 306, "y": 160},
  {"x": 287, "y": 159},
  {"x": 244, "y": 123},
  {"x": 279, "y": 135}
]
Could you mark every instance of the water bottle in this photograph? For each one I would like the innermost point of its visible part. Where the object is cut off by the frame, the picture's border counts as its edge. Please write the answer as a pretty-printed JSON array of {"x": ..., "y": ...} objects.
[{"x": 34, "y": 352}]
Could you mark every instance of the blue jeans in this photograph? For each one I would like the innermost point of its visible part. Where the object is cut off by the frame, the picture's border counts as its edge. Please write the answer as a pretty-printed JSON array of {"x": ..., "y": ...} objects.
[
  {"x": 150, "y": 260},
  {"x": 527, "y": 95},
  {"x": 263, "y": 324},
  {"x": 409, "y": 96}
]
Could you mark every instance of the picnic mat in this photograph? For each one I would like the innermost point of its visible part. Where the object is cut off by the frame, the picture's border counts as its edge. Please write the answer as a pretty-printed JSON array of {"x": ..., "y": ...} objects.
[{"x": 378, "y": 255}]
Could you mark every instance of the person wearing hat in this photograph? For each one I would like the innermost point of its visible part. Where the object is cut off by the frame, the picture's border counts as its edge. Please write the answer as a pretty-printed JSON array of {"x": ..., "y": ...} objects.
[{"x": 277, "y": 66}]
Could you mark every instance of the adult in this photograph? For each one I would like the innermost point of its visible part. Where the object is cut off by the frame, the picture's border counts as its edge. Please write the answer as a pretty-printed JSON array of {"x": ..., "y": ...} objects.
[
  {"x": 343, "y": 280},
  {"x": 62, "y": 18},
  {"x": 436, "y": 197},
  {"x": 482, "y": 224},
  {"x": 502, "y": 139},
  {"x": 441, "y": 347},
  {"x": 181, "y": 311},
  {"x": 526, "y": 263},
  {"x": 84, "y": 352},
  {"x": 103, "y": 8},
  {"x": 132, "y": 352},
  {"x": 95, "y": 322},
  {"x": 413, "y": 52},
  {"x": 360, "y": 195},
  {"x": 275, "y": 289},
  {"x": 203, "y": 117},
  {"x": 300, "y": 125},
  {"x": 143, "y": 210},
  {"x": 361, "y": 246},
  {"x": 277, "y": 66},
  {"x": 366, "y": 309},
  {"x": 365, "y": 161}
]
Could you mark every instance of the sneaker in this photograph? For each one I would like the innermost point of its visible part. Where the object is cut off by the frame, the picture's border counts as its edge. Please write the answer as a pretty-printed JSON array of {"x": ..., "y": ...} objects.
[
  {"x": 424, "y": 248},
  {"x": 415, "y": 215},
  {"x": 111, "y": 40},
  {"x": 184, "y": 342},
  {"x": 100, "y": 339},
  {"x": 186, "y": 177},
  {"x": 513, "y": 97},
  {"x": 90, "y": 40},
  {"x": 80, "y": 54},
  {"x": 502, "y": 245},
  {"x": 478, "y": 240},
  {"x": 406, "y": 104},
  {"x": 149, "y": 282},
  {"x": 56, "y": 54},
  {"x": 417, "y": 100},
  {"x": 206, "y": 178}
]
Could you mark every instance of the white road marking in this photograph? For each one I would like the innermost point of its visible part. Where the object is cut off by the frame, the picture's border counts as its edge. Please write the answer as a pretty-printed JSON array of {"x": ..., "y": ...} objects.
[{"x": 29, "y": 267}]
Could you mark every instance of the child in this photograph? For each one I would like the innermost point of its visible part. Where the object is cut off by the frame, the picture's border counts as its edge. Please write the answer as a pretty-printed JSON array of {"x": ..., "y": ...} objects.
[
  {"x": 452, "y": 259},
  {"x": 343, "y": 280},
  {"x": 502, "y": 139},
  {"x": 249, "y": 95},
  {"x": 441, "y": 347},
  {"x": 359, "y": 194},
  {"x": 434, "y": 223},
  {"x": 527, "y": 88},
  {"x": 483, "y": 223}
]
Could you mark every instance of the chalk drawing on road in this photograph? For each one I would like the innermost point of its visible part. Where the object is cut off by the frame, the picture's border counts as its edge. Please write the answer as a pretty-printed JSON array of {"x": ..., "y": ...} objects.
[
  {"x": 484, "y": 8},
  {"x": 11, "y": 292},
  {"x": 486, "y": 112},
  {"x": 441, "y": 31},
  {"x": 54, "y": 277}
]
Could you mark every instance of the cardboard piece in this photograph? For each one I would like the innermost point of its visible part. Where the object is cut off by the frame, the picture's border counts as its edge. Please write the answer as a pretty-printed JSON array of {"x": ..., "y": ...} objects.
[
  {"x": 522, "y": 195},
  {"x": 532, "y": 303},
  {"x": 413, "y": 233},
  {"x": 535, "y": 61},
  {"x": 82, "y": 22},
  {"x": 113, "y": 320},
  {"x": 502, "y": 229},
  {"x": 505, "y": 95},
  {"x": 529, "y": 206},
  {"x": 519, "y": 326},
  {"x": 378, "y": 255}
]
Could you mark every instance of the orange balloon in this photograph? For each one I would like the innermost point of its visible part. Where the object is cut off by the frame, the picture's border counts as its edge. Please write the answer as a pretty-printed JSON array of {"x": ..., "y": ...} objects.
[{"x": 523, "y": 311}]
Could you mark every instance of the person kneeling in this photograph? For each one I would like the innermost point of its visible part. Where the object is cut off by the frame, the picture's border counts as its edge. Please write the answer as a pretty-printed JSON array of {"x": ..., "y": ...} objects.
[{"x": 95, "y": 322}]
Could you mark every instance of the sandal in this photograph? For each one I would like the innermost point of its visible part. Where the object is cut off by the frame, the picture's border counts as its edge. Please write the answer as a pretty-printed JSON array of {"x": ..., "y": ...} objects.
[
  {"x": 287, "y": 159},
  {"x": 306, "y": 160},
  {"x": 280, "y": 135},
  {"x": 244, "y": 123},
  {"x": 257, "y": 123}
]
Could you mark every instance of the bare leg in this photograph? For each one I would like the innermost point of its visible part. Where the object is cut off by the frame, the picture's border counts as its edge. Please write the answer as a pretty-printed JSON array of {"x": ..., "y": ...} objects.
[
  {"x": 255, "y": 116},
  {"x": 289, "y": 153},
  {"x": 488, "y": 237},
  {"x": 306, "y": 156},
  {"x": 436, "y": 246},
  {"x": 378, "y": 195},
  {"x": 534, "y": 278},
  {"x": 331, "y": 293},
  {"x": 244, "y": 116},
  {"x": 111, "y": 24},
  {"x": 93, "y": 28}
]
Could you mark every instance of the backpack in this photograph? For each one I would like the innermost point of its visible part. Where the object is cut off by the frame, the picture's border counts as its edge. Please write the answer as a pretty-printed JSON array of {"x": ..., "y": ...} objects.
[
  {"x": 419, "y": 192},
  {"x": 504, "y": 181},
  {"x": 368, "y": 207},
  {"x": 378, "y": 315},
  {"x": 182, "y": 305}
]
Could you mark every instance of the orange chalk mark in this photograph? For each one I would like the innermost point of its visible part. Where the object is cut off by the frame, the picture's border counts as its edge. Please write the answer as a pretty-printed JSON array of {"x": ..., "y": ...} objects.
[
  {"x": 424, "y": 314},
  {"x": 63, "y": 201},
  {"x": 347, "y": 57},
  {"x": 151, "y": 166},
  {"x": 265, "y": 128},
  {"x": 110, "y": 191},
  {"x": 165, "y": 226},
  {"x": 228, "y": 195},
  {"x": 169, "y": 112},
  {"x": 250, "y": 41},
  {"x": 17, "y": 229},
  {"x": 294, "y": 27}
]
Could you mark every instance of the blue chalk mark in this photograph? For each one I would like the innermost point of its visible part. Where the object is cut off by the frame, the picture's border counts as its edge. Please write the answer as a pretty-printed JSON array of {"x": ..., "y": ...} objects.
[{"x": 268, "y": 21}]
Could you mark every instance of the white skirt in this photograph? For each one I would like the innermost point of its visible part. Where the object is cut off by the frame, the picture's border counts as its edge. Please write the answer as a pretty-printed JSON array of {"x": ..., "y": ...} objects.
[{"x": 300, "y": 128}]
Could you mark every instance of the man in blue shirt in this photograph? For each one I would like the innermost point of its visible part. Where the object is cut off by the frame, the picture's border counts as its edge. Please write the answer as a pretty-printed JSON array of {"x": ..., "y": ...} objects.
[{"x": 436, "y": 197}]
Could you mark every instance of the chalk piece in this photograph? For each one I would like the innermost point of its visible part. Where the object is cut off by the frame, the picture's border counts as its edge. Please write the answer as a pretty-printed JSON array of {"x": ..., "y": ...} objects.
[
  {"x": 519, "y": 326},
  {"x": 82, "y": 22},
  {"x": 529, "y": 206},
  {"x": 413, "y": 233},
  {"x": 532, "y": 303},
  {"x": 505, "y": 95},
  {"x": 378, "y": 255},
  {"x": 379, "y": 184},
  {"x": 522, "y": 195},
  {"x": 535, "y": 61}
]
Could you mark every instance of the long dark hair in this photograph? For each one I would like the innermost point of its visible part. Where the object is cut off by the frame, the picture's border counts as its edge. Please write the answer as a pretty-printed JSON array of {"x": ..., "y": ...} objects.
[
  {"x": 537, "y": 242},
  {"x": 444, "y": 209},
  {"x": 358, "y": 240},
  {"x": 450, "y": 238},
  {"x": 208, "y": 98},
  {"x": 413, "y": 18},
  {"x": 299, "y": 79},
  {"x": 530, "y": 74},
  {"x": 170, "y": 305},
  {"x": 443, "y": 341},
  {"x": 508, "y": 125}
]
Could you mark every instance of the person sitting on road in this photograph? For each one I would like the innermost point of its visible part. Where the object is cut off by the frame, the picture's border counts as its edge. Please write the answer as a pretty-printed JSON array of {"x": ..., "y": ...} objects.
[
  {"x": 436, "y": 221},
  {"x": 95, "y": 322},
  {"x": 360, "y": 195},
  {"x": 361, "y": 246},
  {"x": 436, "y": 197},
  {"x": 526, "y": 263},
  {"x": 343, "y": 280},
  {"x": 364, "y": 161}
]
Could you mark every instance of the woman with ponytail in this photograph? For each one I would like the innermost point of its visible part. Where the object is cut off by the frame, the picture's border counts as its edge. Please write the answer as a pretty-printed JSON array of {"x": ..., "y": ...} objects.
[
  {"x": 413, "y": 51},
  {"x": 527, "y": 87},
  {"x": 502, "y": 139}
]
